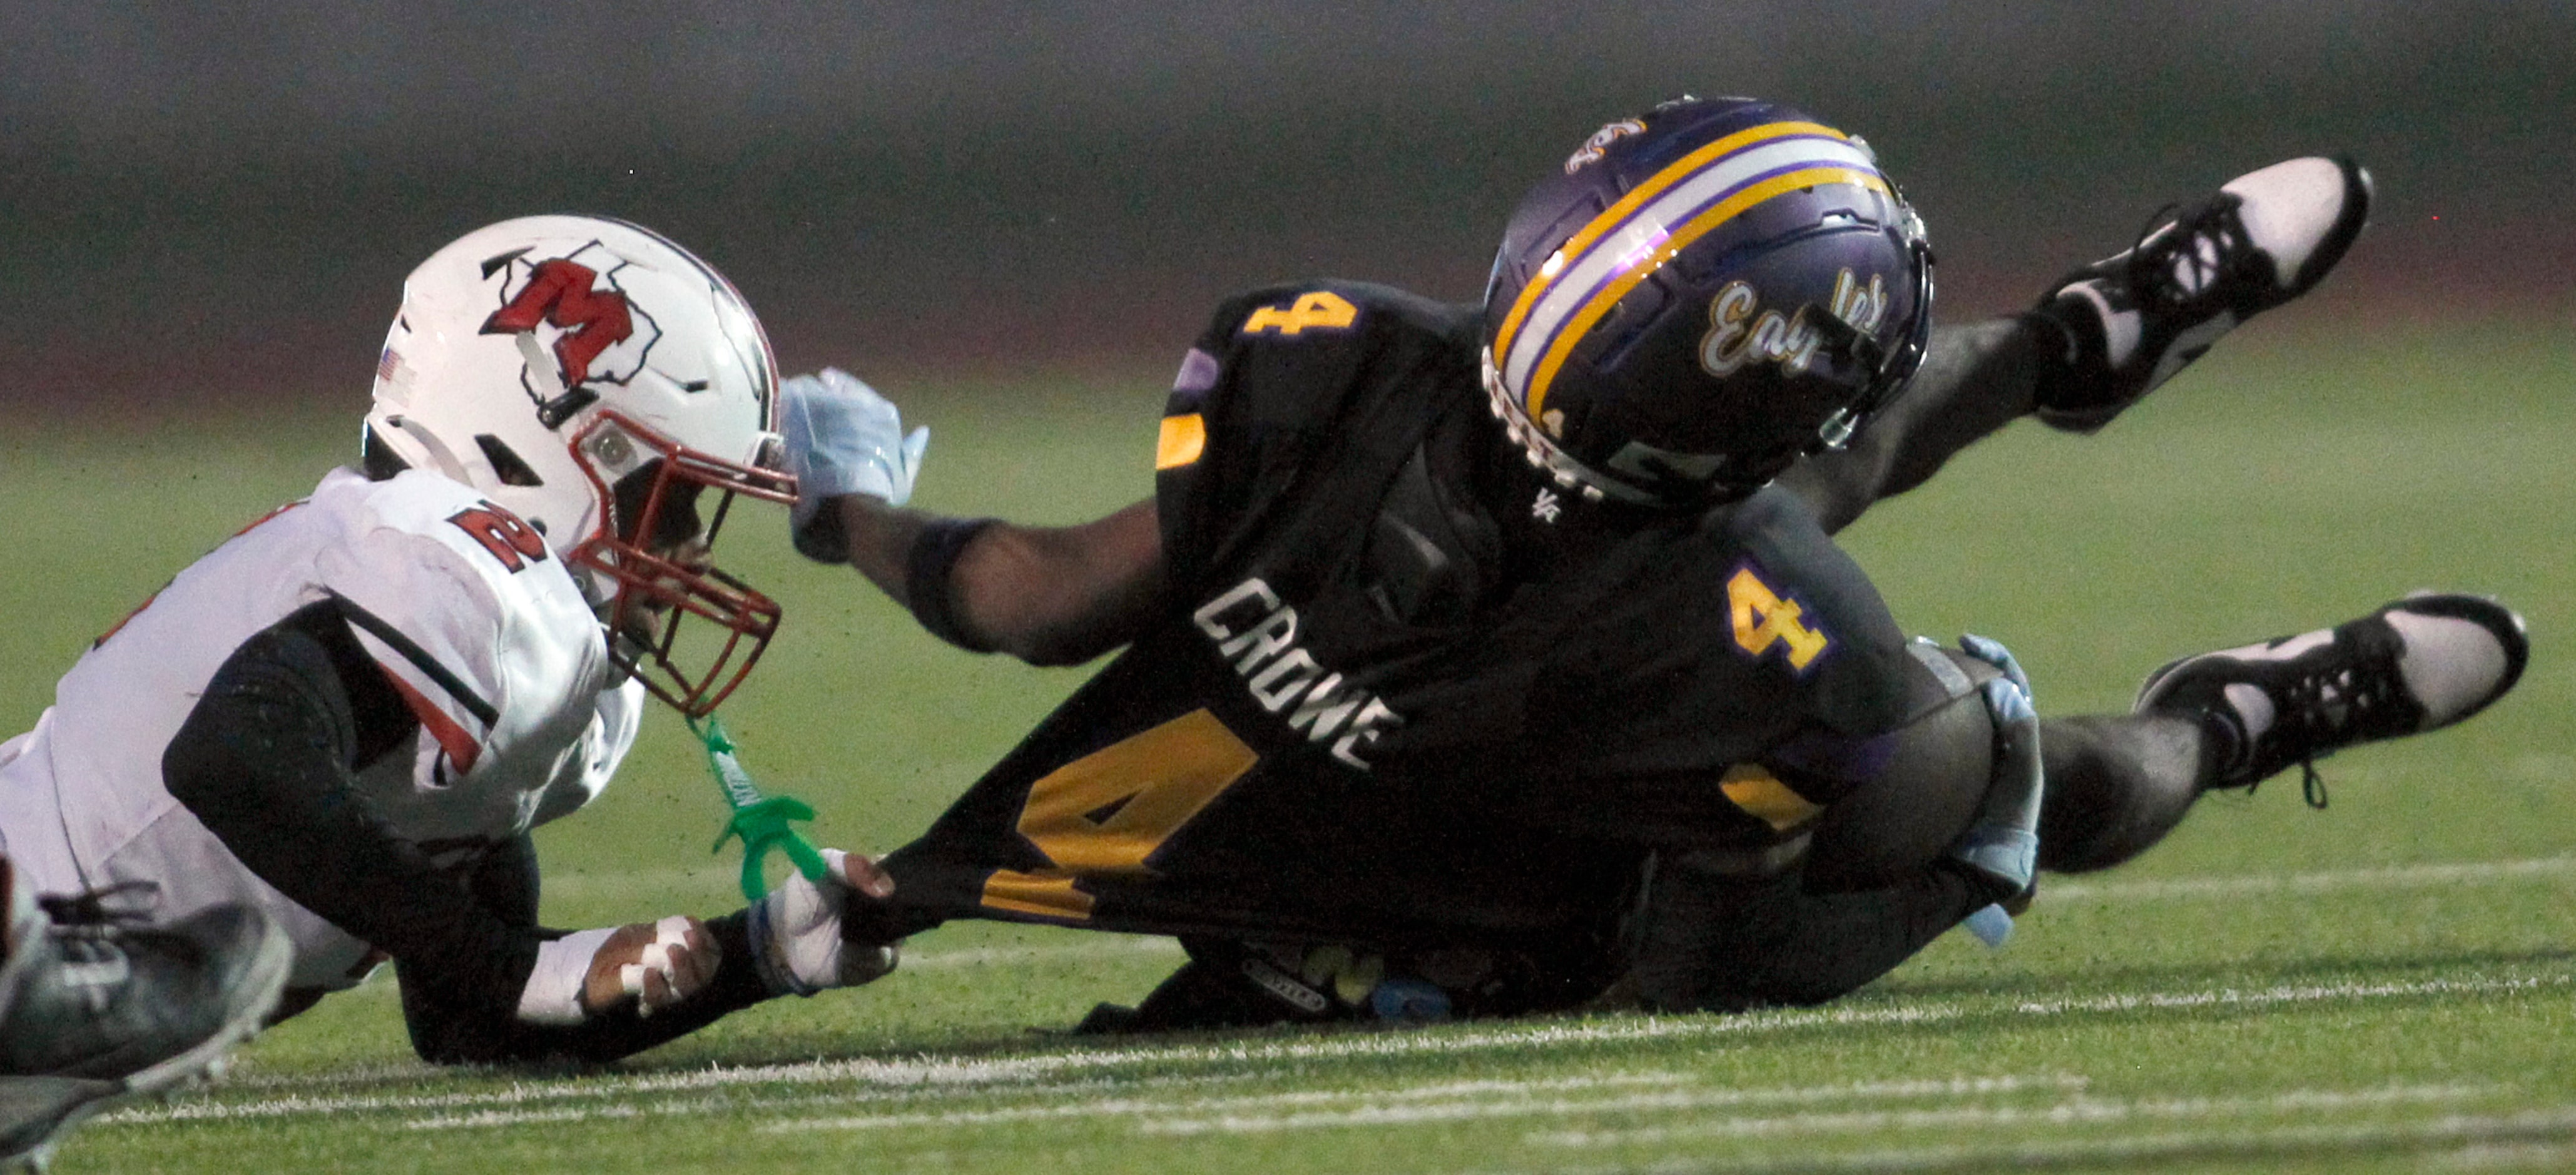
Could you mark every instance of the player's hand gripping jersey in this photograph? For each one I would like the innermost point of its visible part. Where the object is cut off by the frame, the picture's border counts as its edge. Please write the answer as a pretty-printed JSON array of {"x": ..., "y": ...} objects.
[
  {"x": 472, "y": 621},
  {"x": 1356, "y": 721}
]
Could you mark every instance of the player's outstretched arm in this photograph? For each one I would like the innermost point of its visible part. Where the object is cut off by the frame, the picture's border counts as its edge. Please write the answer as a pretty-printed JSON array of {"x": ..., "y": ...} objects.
[
  {"x": 792, "y": 943},
  {"x": 1047, "y": 595},
  {"x": 266, "y": 762}
]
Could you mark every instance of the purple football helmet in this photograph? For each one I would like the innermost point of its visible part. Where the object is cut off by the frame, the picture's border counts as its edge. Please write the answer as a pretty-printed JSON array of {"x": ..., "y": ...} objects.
[{"x": 1708, "y": 291}]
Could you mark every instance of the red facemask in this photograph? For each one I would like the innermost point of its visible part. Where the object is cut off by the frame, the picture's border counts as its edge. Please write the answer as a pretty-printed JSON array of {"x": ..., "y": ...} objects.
[{"x": 650, "y": 545}]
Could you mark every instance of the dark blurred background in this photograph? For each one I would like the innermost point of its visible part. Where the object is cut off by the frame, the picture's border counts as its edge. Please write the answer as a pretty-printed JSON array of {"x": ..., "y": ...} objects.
[{"x": 213, "y": 206}]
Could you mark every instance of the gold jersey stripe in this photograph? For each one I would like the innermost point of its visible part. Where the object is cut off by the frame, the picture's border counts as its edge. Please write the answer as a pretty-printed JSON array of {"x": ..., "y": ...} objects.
[
  {"x": 1183, "y": 439},
  {"x": 1765, "y": 798},
  {"x": 1047, "y": 894}
]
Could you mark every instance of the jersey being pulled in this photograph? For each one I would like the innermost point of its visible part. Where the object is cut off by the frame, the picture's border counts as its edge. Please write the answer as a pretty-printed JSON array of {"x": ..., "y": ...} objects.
[
  {"x": 472, "y": 617},
  {"x": 1356, "y": 721}
]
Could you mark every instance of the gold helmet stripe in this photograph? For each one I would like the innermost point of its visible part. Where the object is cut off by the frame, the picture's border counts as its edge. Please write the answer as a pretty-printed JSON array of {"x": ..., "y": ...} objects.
[
  {"x": 1636, "y": 198},
  {"x": 1577, "y": 324},
  {"x": 1633, "y": 236}
]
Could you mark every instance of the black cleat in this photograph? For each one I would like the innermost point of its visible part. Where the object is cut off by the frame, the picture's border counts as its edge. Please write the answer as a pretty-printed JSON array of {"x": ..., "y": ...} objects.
[
  {"x": 2134, "y": 319},
  {"x": 2419, "y": 664},
  {"x": 95, "y": 1008}
]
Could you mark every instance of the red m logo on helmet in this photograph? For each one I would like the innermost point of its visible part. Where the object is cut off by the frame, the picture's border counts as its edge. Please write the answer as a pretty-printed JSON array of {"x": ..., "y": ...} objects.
[{"x": 559, "y": 294}]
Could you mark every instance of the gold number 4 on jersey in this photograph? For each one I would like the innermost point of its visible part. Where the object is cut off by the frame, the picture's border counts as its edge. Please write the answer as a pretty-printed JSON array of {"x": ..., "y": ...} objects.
[
  {"x": 1321, "y": 310},
  {"x": 1762, "y": 619},
  {"x": 1104, "y": 813}
]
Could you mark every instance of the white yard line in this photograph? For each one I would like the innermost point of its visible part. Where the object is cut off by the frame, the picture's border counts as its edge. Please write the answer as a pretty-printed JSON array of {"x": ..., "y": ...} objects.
[
  {"x": 521, "y": 1117},
  {"x": 2389, "y": 877},
  {"x": 2052, "y": 890},
  {"x": 2475, "y": 1133},
  {"x": 1087, "y": 1088},
  {"x": 2077, "y": 1111},
  {"x": 2310, "y": 993},
  {"x": 2507, "y": 1154},
  {"x": 1443, "y": 1102},
  {"x": 976, "y": 1076},
  {"x": 1382, "y": 1113}
]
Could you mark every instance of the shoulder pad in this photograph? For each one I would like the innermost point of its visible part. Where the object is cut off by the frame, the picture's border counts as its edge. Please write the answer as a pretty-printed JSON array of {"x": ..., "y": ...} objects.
[
  {"x": 474, "y": 621},
  {"x": 1287, "y": 380},
  {"x": 1319, "y": 334}
]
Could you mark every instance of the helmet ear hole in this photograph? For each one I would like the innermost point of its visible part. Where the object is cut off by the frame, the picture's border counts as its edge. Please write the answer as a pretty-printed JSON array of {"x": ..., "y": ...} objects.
[
  {"x": 507, "y": 465},
  {"x": 377, "y": 459}
]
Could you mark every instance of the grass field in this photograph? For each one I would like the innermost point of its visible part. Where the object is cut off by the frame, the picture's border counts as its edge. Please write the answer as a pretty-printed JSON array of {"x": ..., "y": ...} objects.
[{"x": 2385, "y": 985}]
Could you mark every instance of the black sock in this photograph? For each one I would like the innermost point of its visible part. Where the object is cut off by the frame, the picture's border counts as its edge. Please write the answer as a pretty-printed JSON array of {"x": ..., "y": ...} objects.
[
  {"x": 2223, "y": 745},
  {"x": 8, "y": 912},
  {"x": 2069, "y": 358}
]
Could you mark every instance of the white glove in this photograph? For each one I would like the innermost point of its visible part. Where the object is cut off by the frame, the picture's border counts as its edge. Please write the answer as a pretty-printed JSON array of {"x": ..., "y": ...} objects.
[
  {"x": 797, "y": 929},
  {"x": 842, "y": 438}
]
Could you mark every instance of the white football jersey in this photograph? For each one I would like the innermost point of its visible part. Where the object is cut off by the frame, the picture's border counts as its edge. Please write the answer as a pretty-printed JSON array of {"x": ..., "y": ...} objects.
[{"x": 522, "y": 716}]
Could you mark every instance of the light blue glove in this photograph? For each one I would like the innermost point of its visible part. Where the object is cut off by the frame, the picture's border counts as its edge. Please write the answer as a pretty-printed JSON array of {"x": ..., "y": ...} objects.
[
  {"x": 842, "y": 438},
  {"x": 1993, "y": 652},
  {"x": 2004, "y": 841}
]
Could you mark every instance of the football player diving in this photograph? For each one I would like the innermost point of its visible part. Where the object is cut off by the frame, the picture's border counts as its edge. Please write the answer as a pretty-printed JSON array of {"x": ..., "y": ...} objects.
[
  {"x": 1485, "y": 659},
  {"x": 324, "y": 744}
]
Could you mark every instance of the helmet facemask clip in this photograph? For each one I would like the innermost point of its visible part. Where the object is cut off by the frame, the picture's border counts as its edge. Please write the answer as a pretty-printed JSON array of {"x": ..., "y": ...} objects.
[{"x": 1891, "y": 369}]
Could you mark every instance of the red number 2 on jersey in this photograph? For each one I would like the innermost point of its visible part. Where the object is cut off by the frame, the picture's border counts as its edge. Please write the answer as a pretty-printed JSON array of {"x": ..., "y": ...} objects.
[{"x": 514, "y": 543}]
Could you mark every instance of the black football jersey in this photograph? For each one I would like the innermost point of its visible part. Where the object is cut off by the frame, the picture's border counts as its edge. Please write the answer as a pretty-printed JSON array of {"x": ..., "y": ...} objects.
[{"x": 1360, "y": 719}]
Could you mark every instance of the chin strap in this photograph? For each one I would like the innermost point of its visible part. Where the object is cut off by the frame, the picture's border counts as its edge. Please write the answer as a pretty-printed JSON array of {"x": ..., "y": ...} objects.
[{"x": 762, "y": 823}]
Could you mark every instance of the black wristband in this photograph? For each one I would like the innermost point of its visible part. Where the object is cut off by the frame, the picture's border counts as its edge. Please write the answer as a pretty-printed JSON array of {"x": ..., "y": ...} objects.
[{"x": 927, "y": 570}]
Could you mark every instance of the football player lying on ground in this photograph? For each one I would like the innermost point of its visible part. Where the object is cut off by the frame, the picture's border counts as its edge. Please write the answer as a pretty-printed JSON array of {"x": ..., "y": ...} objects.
[
  {"x": 342, "y": 724},
  {"x": 1495, "y": 659}
]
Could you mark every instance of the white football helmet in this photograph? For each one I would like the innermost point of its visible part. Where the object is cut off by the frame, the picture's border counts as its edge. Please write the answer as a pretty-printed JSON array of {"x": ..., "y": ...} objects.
[{"x": 592, "y": 377}]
